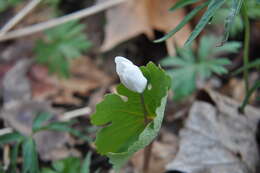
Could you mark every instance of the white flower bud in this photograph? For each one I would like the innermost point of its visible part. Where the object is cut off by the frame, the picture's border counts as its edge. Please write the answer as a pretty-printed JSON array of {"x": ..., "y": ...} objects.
[{"x": 130, "y": 75}]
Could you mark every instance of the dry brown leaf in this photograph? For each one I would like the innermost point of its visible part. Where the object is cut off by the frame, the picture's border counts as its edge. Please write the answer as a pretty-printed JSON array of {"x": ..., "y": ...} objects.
[
  {"x": 218, "y": 139},
  {"x": 85, "y": 76},
  {"x": 19, "y": 109},
  {"x": 136, "y": 17}
]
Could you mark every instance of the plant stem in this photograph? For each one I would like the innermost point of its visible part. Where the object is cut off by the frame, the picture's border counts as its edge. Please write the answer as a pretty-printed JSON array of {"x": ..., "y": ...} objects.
[
  {"x": 147, "y": 149},
  {"x": 248, "y": 95},
  {"x": 246, "y": 43},
  {"x": 147, "y": 156},
  {"x": 144, "y": 109}
]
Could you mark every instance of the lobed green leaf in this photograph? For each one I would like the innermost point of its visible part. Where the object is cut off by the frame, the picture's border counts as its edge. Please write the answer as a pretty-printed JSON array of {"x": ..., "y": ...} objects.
[{"x": 125, "y": 131}]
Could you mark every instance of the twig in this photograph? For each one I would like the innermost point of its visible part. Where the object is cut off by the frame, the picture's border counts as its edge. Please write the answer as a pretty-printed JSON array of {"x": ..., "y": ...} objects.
[
  {"x": 5, "y": 131},
  {"x": 6, "y": 157},
  {"x": 76, "y": 113},
  {"x": 17, "y": 18},
  {"x": 61, "y": 20}
]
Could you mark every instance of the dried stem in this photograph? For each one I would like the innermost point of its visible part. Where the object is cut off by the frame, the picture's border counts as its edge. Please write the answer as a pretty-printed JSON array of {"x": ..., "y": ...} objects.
[
  {"x": 61, "y": 20},
  {"x": 17, "y": 18}
]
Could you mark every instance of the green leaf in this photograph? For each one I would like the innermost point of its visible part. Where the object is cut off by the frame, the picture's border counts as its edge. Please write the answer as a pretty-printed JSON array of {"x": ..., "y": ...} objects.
[
  {"x": 231, "y": 47},
  {"x": 220, "y": 17},
  {"x": 62, "y": 44},
  {"x": 1, "y": 169},
  {"x": 47, "y": 170},
  {"x": 5, "y": 4},
  {"x": 258, "y": 1},
  {"x": 214, "y": 5},
  {"x": 248, "y": 95},
  {"x": 234, "y": 11},
  {"x": 30, "y": 158},
  {"x": 253, "y": 64},
  {"x": 182, "y": 3},
  {"x": 65, "y": 127},
  {"x": 186, "y": 19},
  {"x": 10, "y": 137},
  {"x": 40, "y": 119},
  {"x": 86, "y": 164},
  {"x": 14, "y": 154},
  {"x": 68, "y": 165},
  {"x": 189, "y": 65},
  {"x": 206, "y": 46},
  {"x": 125, "y": 131}
]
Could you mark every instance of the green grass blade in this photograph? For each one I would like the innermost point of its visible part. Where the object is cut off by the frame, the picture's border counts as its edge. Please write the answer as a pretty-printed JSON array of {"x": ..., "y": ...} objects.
[
  {"x": 30, "y": 157},
  {"x": 212, "y": 8},
  {"x": 40, "y": 119},
  {"x": 14, "y": 154},
  {"x": 65, "y": 127},
  {"x": 182, "y": 23},
  {"x": 182, "y": 3},
  {"x": 234, "y": 11},
  {"x": 248, "y": 66},
  {"x": 11, "y": 137},
  {"x": 248, "y": 95},
  {"x": 86, "y": 164}
]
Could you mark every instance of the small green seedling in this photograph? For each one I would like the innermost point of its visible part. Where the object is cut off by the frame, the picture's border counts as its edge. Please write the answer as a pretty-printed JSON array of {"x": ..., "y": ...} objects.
[
  {"x": 187, "y": 66},
  {"x": 62, "y": 44},
  {"x": 132, "y": 117}
]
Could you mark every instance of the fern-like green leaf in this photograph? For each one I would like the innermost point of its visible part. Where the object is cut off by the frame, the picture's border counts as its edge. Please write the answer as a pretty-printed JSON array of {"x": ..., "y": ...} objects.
[
  {"x": 62, "y": 44},
  {"x": 189, "y": 65}
]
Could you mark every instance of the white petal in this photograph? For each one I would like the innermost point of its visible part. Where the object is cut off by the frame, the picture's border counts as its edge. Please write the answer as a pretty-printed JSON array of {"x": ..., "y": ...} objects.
[{"x": 130, "y": 75}]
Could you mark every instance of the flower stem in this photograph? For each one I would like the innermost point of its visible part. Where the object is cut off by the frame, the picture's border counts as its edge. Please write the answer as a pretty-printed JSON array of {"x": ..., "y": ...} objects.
[
  {"x": 146, "y": 121},
  {"x": 147, "y": 156},
  {"x": 147, "y": 149},
  {"x": 246, "y": 43}
]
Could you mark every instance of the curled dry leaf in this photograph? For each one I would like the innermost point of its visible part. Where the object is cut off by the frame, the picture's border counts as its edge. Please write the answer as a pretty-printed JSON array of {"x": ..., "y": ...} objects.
[
  {"x": 217, "y": 139},
  {"x": 135, "y": 17}
]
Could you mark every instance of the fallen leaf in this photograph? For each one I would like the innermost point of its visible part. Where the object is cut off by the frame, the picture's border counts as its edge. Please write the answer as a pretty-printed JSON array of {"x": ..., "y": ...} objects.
[
  {"x": 16, "y": 86},
  {"x": 218, "y": 139},
  {"x": 135, "y": 17},
  {"x": 19, "y": 109},
  {"x": 85, "y": 77}
]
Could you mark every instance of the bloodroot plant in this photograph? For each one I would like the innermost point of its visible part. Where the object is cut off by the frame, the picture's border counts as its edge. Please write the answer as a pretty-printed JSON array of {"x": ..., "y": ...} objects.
[{"x": 132, "y": 117}]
